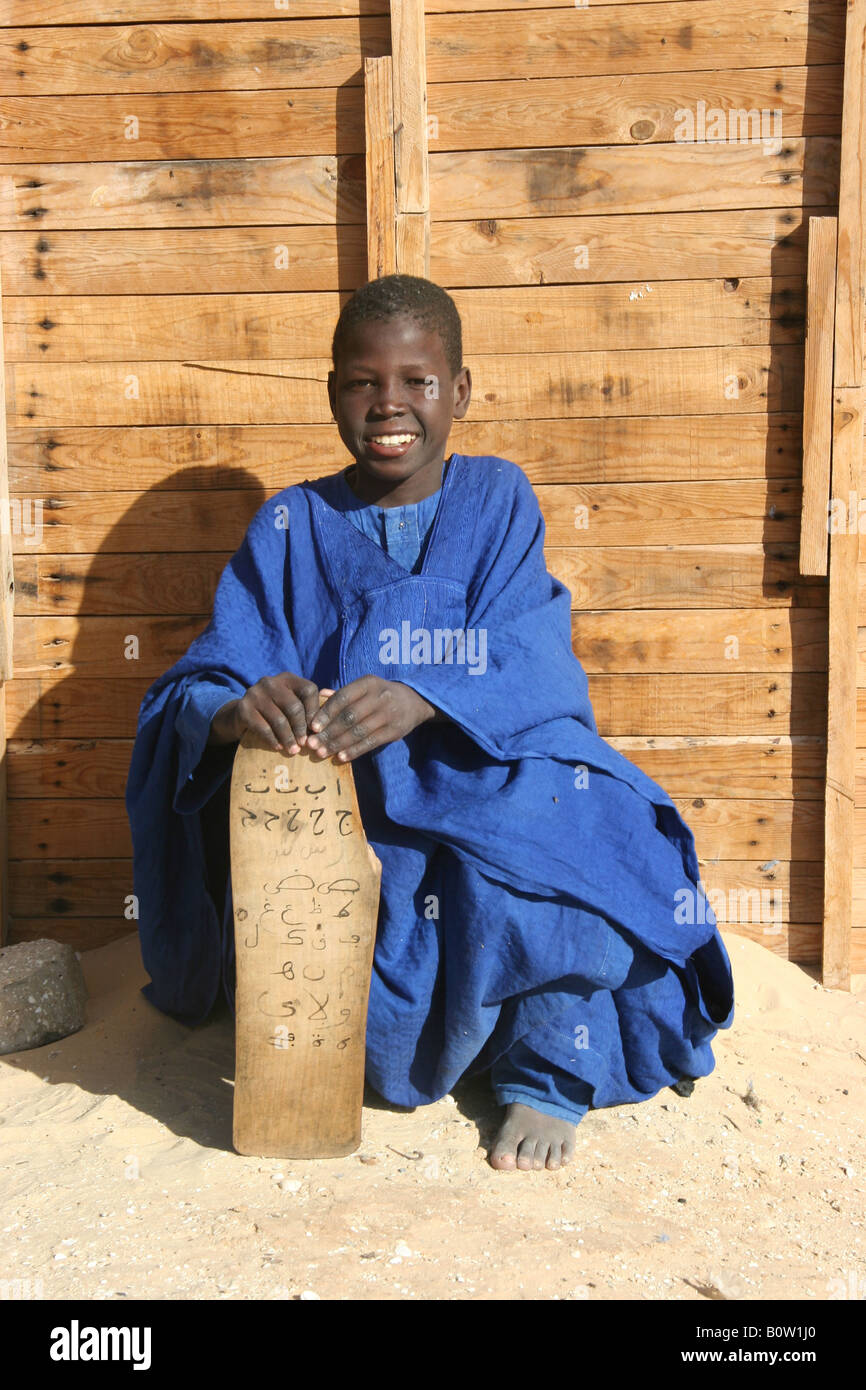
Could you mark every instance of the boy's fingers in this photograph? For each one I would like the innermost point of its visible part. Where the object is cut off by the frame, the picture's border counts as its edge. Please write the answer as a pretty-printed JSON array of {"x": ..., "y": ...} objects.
[
  {"x": 369, "y": 722},
  {"x": 308, "y": 693},
  {"x": 287, "y": 719},
  {"x": 341, "y": 728},
  {"x": 367, "y": 745},
  {"x": 258, "y": 724},
  {"x": 346, "y": 695}
]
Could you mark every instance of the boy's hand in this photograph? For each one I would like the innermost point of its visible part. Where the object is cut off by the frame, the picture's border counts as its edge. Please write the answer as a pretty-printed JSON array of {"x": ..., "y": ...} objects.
[
  {"x": 366, "y": 714},
  {"x": 278, "y": 708}
]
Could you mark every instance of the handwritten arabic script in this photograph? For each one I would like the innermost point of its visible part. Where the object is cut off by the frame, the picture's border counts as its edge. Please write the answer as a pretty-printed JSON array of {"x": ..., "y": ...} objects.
[{"x": 300, "y": 915}]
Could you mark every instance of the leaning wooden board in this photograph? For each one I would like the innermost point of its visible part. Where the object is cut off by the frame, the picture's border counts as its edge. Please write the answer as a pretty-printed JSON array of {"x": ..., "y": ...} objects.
[{"x": 305, "y": 888}]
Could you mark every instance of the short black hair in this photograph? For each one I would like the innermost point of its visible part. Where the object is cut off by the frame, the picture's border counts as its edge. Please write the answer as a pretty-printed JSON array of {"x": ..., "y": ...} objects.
[{"x": 428, "y": 304}]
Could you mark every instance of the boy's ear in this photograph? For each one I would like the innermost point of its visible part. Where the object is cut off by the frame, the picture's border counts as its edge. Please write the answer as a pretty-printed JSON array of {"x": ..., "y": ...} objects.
[
  {"x": 332, "y": 392},
  {"x": 462, "y": 392}
]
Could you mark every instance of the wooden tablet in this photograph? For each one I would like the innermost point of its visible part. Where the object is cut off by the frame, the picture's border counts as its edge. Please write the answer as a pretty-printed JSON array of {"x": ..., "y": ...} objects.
[{"x": 305, "y": 889}]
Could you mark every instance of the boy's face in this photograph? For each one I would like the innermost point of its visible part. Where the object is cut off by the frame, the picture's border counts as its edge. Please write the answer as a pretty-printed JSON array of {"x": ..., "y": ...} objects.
[{"x": 392, "y": 378}]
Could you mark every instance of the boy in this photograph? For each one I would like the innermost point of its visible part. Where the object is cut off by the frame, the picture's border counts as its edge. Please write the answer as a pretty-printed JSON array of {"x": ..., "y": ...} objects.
[{"x": 534, "y": 881}]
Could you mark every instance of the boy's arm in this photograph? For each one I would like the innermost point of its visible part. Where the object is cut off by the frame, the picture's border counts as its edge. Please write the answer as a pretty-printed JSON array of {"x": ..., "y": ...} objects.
[{"x": 222, "y": 726}]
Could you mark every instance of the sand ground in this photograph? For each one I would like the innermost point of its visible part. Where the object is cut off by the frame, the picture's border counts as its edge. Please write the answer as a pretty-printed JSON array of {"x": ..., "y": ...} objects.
[{"x": 119, "y": 1179}]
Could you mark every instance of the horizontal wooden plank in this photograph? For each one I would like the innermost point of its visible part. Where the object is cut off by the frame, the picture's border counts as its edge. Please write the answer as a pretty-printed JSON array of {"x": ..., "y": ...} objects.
[
  {"x": 191, "y": 125},
  {"x": 609, "y": 577},
  {"x": 82, "y": 707},
  {"x": 591, "y": 249},
  {"x": 745, "y": 891},
  {"x": 485, "y": 184},
  {"x": 101, "y": 646},
  {"x": 728, "y": 829},
  {"x": 637, "y": 514},
  {"x": 270, "y": 457},
  {"x": 21, "y": 12},
  {"x": 68, "y": 888},
  {"x": 727, "y": 704},
  {"x": 128, "y": 584},
  {"x": 639, "y": 109},
  {"x": 643, "y": 38},
  {"x": 84, "y": 523},
  {"x": 725, "y": 765},
  {"x": 624, "y": 577},
  {"x": 661, "y": 513},
  {"x": 674, "y": 313},
  {"x": 671, "y": 381},
  {"x": 189, "y": 57},
  {"x": 70, "y": 829},
  {"x": 310, "y": 189},
  {"x": 247, "y": 56},
  {"x": 67, "y": 768},
  {"x": 618, "y": 178},
  {"x": 690, "y": 641}
]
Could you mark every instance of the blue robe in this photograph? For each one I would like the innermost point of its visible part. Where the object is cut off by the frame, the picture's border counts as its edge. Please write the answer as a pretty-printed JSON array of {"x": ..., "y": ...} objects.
[{"x": 541, "y": 911}]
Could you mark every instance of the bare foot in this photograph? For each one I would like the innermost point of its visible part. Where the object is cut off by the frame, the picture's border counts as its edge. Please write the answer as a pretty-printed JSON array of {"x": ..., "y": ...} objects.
[{"x": 530, "y": 1139}]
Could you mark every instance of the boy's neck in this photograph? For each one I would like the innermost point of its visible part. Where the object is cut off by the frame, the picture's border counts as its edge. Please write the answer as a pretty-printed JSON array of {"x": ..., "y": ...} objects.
[{"x": 401, "y": 493}]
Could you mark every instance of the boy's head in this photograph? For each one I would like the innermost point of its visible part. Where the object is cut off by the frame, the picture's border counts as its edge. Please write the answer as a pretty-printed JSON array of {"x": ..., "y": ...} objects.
[{"x": 398, "y": 371}]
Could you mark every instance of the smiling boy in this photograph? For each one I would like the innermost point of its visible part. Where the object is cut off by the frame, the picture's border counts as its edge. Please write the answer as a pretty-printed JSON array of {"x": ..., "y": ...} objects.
[{"x": 531, "y": 921}]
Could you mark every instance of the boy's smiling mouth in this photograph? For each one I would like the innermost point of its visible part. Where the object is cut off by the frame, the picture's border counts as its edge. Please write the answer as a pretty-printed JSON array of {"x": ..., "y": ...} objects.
[{"x": 391, "y": 443}]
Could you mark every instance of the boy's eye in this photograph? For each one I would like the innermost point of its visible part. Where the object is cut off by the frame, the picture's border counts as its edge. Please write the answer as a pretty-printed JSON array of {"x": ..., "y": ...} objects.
[{"x": 367, "y": 381}]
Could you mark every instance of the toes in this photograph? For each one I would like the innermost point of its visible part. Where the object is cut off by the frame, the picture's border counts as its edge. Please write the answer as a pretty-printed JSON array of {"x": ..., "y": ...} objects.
[
  {"x": 503, "y": 1156},
  {"x": 526, "y": 1153},
  {"x": 554, "y": 1156}
]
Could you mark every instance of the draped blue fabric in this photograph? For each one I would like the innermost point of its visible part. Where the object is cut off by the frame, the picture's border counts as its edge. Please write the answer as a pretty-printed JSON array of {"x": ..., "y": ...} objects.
[{"x": 541, "y": 911}]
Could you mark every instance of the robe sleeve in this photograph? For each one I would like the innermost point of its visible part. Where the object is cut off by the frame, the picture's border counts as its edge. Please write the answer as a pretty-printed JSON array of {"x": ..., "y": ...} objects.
[
  {"x": 202, "y": 767},
  {"x": 173, "y": 771}
]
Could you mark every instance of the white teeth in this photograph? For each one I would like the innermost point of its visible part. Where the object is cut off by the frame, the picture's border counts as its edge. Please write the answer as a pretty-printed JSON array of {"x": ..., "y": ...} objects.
[{"x": 392, "y": 438}]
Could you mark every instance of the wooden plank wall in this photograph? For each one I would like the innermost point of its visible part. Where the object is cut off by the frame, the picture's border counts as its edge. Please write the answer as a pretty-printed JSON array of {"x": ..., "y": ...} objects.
[{"x": 182, "y": 209}]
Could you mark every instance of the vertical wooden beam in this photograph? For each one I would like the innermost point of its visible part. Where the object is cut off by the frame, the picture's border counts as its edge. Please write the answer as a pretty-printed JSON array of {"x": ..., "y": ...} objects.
[
  {"x": 381, "y": 187},
  {"x": 6, "y": 591},
  {"x": 846, "y": 475},
  {"x": 6, "y": 602},
  {"x": 818, "y": 393},
  {"x": 409, "y": 53},
  {"x": 851, "y": 271}
]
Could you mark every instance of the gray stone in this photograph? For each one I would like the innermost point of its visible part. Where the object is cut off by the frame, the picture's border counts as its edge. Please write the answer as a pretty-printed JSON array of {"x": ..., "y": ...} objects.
[{"x": 42, "y": 994}]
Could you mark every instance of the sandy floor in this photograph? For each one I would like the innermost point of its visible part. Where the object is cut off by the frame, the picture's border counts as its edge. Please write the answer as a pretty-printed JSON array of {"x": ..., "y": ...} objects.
[{"x": 119, "y": 1180}]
